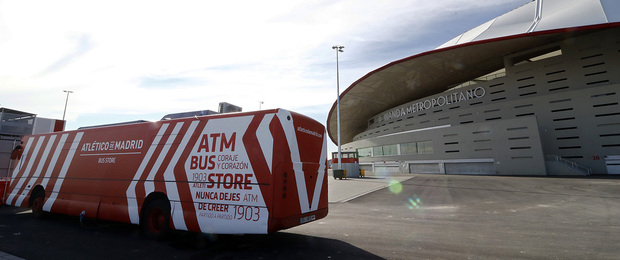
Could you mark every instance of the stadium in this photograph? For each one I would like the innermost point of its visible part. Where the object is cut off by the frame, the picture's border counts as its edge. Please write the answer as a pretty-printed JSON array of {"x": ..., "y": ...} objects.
[{"x": 534, "y": 91}]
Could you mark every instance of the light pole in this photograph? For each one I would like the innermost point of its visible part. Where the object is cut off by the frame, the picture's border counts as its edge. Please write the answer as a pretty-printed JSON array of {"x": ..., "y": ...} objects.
[
  {"x": 66, "y": 101},
  {"x": 338, "y": 49},
  {"x": 260, "y": 105}
]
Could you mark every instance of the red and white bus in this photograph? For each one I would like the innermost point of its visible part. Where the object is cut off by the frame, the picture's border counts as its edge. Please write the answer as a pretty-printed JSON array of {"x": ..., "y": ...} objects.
[{"x": 255, "y": 172}]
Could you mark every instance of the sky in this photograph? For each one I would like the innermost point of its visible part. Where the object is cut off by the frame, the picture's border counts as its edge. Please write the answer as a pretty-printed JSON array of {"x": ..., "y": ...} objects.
[{"x": 141, "y": 60}]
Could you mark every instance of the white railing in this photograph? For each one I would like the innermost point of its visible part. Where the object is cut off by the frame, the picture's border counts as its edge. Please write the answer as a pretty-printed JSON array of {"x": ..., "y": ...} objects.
[{"x": 568, "y": 163}]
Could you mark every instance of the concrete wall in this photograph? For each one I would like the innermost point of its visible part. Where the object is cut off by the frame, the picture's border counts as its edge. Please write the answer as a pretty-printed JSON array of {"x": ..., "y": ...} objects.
[
  {"x": 513, "y": 146},
  {"x": 565, "y": 105}
]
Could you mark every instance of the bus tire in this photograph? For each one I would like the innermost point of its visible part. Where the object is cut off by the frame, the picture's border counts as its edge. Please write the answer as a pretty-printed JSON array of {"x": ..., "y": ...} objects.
[
  {"x": 155, "y": 222},
  {"x": 37, "y": 200}
]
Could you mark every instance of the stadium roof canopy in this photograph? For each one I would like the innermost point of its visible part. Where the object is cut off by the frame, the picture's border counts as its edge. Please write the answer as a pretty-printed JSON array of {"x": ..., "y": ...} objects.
[{"x": 470, "y": 55}]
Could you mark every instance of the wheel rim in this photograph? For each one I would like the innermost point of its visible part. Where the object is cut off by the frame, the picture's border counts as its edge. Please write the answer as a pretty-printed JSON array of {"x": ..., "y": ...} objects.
[
  {"x": 156, "y": 220},
  {"x": 37, "y": 205}
]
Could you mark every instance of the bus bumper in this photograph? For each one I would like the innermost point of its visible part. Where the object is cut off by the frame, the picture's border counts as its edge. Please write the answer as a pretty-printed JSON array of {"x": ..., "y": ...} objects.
[{"x": 276, "y": 224}]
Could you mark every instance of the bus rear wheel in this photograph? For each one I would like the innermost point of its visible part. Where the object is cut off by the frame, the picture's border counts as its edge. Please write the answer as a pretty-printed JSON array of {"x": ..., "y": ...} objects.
[
  {"x": 37, "y": 200},
  {"x": 156, "y": 219},
  {"x": 37, "y": 207}
]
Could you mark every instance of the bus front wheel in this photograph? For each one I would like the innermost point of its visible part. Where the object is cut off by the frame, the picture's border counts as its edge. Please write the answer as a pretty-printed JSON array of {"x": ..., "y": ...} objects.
[{"x": 156, "y": 219}]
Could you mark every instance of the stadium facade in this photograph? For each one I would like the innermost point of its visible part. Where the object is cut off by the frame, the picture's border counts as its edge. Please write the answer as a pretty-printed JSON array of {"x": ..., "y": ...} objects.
[{"x": 535, "y": 91}]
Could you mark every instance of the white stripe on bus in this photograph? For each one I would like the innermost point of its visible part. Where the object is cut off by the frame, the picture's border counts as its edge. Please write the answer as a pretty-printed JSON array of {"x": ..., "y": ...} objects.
[
  {"x": 291, "y": 139},
  {"x": 54, "y": 159},
  {"x": 149, "y": 184},
  {"x": 37, "y": 172},
  {"x": 63, "y": 172},
  {"x": 316, "y": 197},
  {"x": 132, "y": 204},
  {"x": 265, "y": 140},
  {"x": 26, "y": 173},
  {"x": 172, "y": 191}
]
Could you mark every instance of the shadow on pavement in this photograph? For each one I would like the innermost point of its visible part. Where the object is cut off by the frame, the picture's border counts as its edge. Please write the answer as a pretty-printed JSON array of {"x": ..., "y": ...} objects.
[
  {"x": 65, "y": 237},
  {"x": 279, "y": 245}
]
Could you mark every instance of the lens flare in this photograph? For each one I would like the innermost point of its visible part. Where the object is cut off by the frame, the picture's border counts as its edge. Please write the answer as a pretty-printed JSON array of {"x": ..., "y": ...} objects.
[
  {"x": 414, "y": 203},
  {"x": 395, "y": 186}
]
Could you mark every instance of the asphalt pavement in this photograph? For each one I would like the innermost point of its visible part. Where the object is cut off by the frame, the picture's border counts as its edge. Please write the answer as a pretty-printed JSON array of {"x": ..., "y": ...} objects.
[
  {"x": 5, "y": 256},
  {"x": 478, "y": 217},
  {"x": 350, "y": 188},
  {"x": 340, "y": 191},
  {"x": 422, "y": 216}
]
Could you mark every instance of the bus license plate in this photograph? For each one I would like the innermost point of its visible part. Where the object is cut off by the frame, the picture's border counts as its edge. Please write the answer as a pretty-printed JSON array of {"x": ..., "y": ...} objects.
[{"x": 307, "y": 219}]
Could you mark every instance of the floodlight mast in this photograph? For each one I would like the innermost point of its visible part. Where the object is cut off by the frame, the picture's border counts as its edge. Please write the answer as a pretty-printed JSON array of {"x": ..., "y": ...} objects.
[
  {"x": 338, "y": 49},
  {"x": 66, "y": 101}
]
